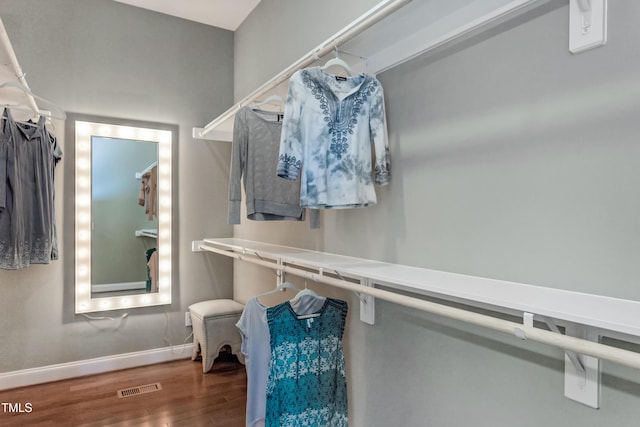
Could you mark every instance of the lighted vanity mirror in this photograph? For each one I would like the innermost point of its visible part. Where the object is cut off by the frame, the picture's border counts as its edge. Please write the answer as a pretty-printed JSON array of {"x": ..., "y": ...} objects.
[{"x": 122, "y": 213}]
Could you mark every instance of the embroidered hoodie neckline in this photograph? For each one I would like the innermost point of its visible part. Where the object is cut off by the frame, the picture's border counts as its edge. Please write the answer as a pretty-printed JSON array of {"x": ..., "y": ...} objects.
[{"x": 349, "y": 85}]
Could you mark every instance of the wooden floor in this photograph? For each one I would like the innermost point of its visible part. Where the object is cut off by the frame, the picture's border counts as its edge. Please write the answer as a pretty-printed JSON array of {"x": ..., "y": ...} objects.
[{"x": 188, "y": 398}]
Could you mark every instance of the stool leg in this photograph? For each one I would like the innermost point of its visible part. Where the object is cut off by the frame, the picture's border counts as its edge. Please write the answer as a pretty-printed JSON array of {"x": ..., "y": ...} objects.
[
  {"x": 207, "y": 362},
  {"x": 195, "y": 352},
  {"x": 200, "y": 342}
]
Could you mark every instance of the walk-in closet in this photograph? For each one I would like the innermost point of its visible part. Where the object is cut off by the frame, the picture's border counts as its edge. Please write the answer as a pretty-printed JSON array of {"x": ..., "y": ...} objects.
[{"x": 291, "y": 213}]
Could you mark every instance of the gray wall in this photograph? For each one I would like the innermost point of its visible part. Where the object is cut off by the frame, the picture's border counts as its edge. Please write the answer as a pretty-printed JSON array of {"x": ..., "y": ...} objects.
[
  {"x": 511, "y": 159},
  {"x": 104, "y": 58}
]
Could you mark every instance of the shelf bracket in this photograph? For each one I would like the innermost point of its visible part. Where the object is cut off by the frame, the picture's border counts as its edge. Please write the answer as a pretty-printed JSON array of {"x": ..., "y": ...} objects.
[
  {"x": 195, "y": 246},
  {"x": 581, "y": 373},
  {"x": 367, "y": 304},
  {"x": 281, "y": 276},
  {"x": 587, "y": 24},
  {"x": 585, "y": 388},
  {"x": 572, "y": 356}
]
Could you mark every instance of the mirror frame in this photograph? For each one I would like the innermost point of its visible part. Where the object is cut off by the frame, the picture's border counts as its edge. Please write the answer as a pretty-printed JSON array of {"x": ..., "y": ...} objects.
[{"x": 84, "y": 129}]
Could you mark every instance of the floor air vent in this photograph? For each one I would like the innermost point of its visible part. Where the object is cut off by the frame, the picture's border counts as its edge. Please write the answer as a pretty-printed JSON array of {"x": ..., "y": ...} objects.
[{"x": 142, "y": 389}]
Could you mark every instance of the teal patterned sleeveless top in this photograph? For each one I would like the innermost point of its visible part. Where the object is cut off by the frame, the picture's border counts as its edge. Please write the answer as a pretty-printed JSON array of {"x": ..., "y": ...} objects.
[{"x": 307, "y": 383}]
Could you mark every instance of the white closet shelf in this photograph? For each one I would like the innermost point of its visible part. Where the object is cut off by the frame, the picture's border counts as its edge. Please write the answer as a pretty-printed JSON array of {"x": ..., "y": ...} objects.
[
  {"x": 602, "y": 312},
  {"x": 586, "y": 317},
  {"x": 147, "y": 232},
  {"x": 382, "y": 42},
  {"x": 139, "y": 175}
]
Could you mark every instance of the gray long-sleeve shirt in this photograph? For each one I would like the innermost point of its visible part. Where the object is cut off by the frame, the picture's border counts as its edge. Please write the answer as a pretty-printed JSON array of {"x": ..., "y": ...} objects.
[{"x": 254, "y": 160}]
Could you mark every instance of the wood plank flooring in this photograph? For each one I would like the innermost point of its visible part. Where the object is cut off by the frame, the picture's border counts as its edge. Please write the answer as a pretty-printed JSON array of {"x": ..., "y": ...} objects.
[{"x": 188, "y": 398}]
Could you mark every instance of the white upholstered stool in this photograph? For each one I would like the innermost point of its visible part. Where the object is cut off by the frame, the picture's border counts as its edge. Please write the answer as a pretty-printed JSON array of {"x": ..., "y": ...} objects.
[{"x": 214, "y": 326}]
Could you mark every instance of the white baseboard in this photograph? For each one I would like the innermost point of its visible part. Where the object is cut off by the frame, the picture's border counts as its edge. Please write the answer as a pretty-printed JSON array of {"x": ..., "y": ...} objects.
[{"x": 81, "y": 368}]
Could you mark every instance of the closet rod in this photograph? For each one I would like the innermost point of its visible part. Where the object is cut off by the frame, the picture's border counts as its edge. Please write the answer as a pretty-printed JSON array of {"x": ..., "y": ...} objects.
[
  {"x": 8, "y": 48},
  {"x": 378, "y": 12},
  {"x": 578, "y": 345}
]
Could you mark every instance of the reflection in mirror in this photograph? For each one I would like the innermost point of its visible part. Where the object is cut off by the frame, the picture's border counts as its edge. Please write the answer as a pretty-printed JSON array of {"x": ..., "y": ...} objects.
[
  {"x": 122, "y": 214},
  {"x": 124, "y": 222}
]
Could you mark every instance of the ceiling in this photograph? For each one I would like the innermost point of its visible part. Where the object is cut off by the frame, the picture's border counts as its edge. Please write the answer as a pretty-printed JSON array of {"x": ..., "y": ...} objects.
[{"x": 227, "y": 14}]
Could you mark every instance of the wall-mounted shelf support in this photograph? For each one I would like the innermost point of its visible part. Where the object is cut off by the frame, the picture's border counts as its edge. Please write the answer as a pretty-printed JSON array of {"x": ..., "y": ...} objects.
[
  {"x": 581, "y": 372},
  {"x": 582, "y": 386},
  {"x": 572, "y": 356},
  {"x": 196, "y": 246},
  {"x": 367, "y": 305},
  {"x": 587, "y": 24}
]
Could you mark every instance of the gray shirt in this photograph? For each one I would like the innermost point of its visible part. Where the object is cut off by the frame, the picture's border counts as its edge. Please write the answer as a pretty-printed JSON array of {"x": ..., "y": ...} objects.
[
  {"x": 254, "y": 159},
  {"x": 28, "y": 156}
]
